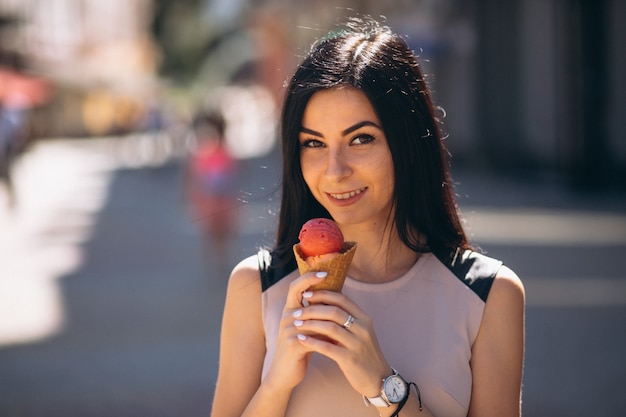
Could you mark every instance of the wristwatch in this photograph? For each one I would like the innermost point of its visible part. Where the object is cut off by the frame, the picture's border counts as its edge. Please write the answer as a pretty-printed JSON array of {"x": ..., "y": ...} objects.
[{"x": 394, "y": 390}]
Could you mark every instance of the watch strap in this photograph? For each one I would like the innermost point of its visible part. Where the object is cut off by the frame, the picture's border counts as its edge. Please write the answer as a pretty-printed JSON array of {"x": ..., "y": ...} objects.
[
  {"x": 381, "y": 400},
  {"x": 376, "y": 401}
]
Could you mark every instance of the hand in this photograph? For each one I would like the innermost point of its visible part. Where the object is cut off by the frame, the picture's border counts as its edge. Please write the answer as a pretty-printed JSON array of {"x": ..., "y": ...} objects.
[
  {"x": 291, "y": 358},
  {"x": 355, "y": 350}
]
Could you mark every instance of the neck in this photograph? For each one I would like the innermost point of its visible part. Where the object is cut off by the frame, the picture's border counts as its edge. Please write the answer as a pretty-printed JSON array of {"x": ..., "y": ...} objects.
[{"x": 380, "y": 257}]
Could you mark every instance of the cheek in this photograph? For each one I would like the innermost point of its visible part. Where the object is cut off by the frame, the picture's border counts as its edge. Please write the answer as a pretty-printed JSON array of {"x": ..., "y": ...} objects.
[
  {"x": 384, "y": 166},
  {"x": 389, "y": 186},
  {"x": 387, "y": 178}
]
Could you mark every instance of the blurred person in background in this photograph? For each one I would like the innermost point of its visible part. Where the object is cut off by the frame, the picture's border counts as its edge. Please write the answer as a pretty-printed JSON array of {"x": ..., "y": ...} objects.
[
  {"x": 425, "y": 325},
  {"x": 20, "y": 93},
  {"x": 211, "y": 180}
]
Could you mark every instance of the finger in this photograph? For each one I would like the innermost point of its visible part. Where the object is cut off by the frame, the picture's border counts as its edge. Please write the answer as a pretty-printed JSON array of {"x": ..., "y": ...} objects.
[
  {"x": 325, "y": 312},
  {"x": 325, "y": 340},
  {"x": 326, "y": 323},
  {"x": 308, "y": 334},
  {"x": 348, "y": 323},
  {"x": 299, "y": 286},
  {"x": 336, "y": 299}
]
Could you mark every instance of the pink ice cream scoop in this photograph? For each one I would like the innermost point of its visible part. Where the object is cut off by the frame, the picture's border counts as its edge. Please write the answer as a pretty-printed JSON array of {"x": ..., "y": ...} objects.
[
  {"x": 320, "y": 236},
  {"x": 322, "y": 248}
]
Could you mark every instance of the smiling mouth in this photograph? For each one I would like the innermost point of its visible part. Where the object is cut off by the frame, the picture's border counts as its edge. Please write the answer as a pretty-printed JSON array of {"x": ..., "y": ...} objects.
[{"x": 345, "y": 196}]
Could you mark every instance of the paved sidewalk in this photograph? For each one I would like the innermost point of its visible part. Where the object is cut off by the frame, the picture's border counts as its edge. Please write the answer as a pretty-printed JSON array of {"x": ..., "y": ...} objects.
[{"x": 107, "y": 307}]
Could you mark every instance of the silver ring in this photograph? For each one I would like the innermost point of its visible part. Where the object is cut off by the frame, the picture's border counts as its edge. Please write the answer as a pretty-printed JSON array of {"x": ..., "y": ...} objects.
[{"x": 348, "y": 322}]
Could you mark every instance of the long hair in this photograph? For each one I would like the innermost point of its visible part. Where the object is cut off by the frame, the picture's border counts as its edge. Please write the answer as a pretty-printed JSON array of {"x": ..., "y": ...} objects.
[{"x": 370, "y": 57}]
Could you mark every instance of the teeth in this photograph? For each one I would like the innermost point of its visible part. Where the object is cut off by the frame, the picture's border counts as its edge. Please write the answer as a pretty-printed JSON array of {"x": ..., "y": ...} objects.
[{"x": 347, "y": 195}]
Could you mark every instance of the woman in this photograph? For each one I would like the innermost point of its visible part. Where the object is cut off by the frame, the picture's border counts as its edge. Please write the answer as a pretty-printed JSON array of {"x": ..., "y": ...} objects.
[{"x": 424, "y": 325}]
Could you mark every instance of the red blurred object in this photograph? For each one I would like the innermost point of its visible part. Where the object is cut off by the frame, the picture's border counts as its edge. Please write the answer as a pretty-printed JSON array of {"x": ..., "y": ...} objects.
[{"x": 19, "y": 90}]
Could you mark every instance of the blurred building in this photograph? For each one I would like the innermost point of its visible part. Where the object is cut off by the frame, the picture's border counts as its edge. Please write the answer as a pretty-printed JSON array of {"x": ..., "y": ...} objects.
[
  {"x": 99, "y": 54},
  {"x": 528, "y": 86},
  {"x": 550, "y": 88}
]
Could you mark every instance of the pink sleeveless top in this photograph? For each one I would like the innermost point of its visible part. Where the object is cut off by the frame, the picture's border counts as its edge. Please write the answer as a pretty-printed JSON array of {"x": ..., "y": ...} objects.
[{"x": 426, "y": 322}]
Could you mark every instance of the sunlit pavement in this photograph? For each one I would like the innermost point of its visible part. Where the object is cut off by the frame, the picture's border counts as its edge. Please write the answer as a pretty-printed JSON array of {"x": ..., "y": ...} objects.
[
  {"x": 60, "y": 186},
  {"x": 107, "y": 307}
]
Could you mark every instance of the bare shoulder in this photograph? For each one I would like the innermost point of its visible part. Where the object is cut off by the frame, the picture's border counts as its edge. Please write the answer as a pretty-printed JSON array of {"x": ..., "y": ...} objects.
[
  {"x": 242, "y": 340},
  {"x": 498, "y": 351},
  {"x": 507, "y": 286},
  {"x": 245, "y": 273},
  {"x": 243, "y": 299},
  {"x": 244, "y": 287}
]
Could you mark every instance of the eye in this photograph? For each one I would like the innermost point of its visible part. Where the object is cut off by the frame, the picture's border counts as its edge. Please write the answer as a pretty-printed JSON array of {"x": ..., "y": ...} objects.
[
  {"x": 363, "y": 139},
  {"x": 311, "y": 143}
]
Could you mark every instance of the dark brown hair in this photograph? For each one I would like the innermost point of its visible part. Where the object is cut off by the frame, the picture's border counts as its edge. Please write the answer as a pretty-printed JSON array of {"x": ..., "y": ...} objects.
[{"x": 370, "y": 57}]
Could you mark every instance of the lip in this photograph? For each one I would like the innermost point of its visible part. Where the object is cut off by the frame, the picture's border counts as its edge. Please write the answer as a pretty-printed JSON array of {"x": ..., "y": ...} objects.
[{"x": 346, "y": 198}]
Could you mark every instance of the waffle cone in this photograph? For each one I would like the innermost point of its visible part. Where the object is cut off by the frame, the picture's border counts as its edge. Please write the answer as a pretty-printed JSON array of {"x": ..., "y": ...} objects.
[{"x": 336, "y": 267}]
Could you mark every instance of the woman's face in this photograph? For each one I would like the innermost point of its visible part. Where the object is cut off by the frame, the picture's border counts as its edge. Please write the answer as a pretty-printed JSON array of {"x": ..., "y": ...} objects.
[{"x": 345, "y": 157}]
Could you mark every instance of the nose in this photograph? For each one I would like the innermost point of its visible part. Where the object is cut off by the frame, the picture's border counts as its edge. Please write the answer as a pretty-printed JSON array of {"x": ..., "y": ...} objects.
[{"x": 338, "y": 165}]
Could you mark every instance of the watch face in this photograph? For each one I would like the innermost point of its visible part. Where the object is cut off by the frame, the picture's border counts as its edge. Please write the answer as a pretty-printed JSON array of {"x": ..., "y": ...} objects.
[{"x": 395, "y": 389}]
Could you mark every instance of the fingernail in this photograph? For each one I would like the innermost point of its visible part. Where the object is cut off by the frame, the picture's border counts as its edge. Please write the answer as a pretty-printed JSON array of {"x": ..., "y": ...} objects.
[
  {"x": 297, "y": 313},
  {"x": 321, "y": 274},
  {"x": 307, "y": 294},
  {"x": 301, "y": 337},
  {"x": 298, "y": 323}
]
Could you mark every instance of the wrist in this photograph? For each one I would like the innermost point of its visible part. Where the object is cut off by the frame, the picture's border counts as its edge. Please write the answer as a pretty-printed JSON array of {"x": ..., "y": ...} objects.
[
  {"x": 276, "y": 383},
  {"x": 375, "y": 387},
  {"x": 394, "y": 394},
  {"x": 393, "y": 389}
]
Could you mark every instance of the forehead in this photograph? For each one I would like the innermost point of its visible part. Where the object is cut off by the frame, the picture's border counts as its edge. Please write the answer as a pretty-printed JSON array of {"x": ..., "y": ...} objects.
[{"x": 341, "y": 106}]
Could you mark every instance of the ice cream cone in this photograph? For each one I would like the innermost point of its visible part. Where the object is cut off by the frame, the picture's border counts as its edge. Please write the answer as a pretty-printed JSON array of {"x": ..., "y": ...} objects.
[{"x": 337, "y": 267}]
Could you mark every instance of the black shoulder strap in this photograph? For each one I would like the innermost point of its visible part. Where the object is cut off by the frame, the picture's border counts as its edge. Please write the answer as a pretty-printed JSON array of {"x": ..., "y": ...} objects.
[
  {"x": 477, "y": 271},
  {"x": 271, "y": 269}
]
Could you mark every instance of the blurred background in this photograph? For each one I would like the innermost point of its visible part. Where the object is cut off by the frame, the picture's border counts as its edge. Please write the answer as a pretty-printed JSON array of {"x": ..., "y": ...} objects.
[{"x": 138, "y": 164}]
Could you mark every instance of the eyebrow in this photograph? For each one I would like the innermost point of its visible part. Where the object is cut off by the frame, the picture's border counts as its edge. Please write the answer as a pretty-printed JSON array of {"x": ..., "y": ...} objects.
[{"x": 344, "y": 132}]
